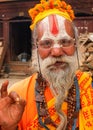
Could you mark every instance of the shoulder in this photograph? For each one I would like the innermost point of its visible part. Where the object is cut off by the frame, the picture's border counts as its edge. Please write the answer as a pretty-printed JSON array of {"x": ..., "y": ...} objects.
[
  {"x": 84, "y": 79},
  {"x": 22, "y": 86},
  {"x": 82, "y": 75}
]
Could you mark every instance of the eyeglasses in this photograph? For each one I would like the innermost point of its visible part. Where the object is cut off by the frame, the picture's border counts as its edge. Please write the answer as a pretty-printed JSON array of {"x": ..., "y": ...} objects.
[{"x": 49, "y": 43}]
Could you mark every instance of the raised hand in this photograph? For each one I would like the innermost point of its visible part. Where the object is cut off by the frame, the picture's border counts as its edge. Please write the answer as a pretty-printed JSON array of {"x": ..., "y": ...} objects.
[{"x": 11, "y": 108}]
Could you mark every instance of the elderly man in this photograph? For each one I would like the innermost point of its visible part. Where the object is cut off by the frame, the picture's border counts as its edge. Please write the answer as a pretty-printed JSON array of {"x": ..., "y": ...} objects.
[{"x": 58, "y": 96}]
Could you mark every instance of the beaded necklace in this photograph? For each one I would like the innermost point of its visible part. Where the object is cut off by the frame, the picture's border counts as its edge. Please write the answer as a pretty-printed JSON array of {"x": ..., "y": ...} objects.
[
  {"x": 72, "y": 101},
  {"x": 43, "y": 114}
]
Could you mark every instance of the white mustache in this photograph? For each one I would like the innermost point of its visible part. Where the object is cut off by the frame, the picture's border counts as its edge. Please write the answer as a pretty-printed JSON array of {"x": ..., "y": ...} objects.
[
  {"x": 51, "y": 60},
  {"x": 44, "y": 63}
]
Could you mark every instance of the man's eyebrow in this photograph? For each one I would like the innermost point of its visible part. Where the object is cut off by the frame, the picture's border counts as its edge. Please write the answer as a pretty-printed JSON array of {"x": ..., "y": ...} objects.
[{"x": 66, "y": 37}]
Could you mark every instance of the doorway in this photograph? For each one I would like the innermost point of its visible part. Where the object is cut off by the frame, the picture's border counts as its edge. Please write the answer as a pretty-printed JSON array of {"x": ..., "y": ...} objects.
[{"x": 20, "y": 39}]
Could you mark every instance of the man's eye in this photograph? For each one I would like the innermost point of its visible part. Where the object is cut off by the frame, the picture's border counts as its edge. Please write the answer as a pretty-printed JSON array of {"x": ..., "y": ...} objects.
[
  {"x": 65, "y": 42},
  {"x": 46, "y": 44}
]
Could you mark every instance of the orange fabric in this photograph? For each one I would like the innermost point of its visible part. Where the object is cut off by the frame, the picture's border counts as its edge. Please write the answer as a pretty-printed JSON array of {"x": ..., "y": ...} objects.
[
  {"x": 86, "y": 98},
  {"x": 25, "y": 89}
]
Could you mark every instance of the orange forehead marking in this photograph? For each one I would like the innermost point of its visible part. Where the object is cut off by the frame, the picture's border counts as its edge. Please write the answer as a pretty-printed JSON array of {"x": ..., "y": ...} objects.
[{"x": 53, "y": 24}]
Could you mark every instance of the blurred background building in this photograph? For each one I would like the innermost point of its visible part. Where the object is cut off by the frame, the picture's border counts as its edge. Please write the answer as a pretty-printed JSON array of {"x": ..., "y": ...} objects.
[{"x": 15, "y": 34}]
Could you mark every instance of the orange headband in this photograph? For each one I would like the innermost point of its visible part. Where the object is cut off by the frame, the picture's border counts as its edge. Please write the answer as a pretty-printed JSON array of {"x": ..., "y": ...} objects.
[{"x": 46, "y": 8}]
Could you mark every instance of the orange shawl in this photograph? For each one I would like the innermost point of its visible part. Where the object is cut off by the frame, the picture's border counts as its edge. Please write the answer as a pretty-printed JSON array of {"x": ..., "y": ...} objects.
[{"x": 29, "y": 121}]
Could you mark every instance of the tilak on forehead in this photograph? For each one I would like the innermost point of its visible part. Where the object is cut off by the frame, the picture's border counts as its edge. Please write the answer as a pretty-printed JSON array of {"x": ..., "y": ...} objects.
[
  {"x": 49, "y": 7},
  {"x": 53, "y": 24}
]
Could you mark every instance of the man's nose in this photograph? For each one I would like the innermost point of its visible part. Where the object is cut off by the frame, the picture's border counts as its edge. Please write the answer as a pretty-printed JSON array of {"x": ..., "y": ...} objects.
[{"x": 57, "y": 51}]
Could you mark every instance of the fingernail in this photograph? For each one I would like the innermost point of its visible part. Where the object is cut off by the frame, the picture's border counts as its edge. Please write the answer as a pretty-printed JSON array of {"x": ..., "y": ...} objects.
[{"x": 17, "y": 99}]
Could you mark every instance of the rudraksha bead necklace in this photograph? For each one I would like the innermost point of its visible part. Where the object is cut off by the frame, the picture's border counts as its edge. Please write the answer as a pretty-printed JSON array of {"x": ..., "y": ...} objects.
[
  {"x": 73, "y": 102},
  {"x": 43, "y": 114}
]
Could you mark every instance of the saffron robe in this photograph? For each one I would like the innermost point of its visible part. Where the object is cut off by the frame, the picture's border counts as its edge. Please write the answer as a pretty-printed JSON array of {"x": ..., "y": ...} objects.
[{"x": 26, "y": 89}]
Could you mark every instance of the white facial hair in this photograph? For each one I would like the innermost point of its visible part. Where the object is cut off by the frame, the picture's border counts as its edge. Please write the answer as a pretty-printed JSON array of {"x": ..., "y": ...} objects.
[
  {"x": 57, "y": 79},
  {"x": 60, "y": 81}
]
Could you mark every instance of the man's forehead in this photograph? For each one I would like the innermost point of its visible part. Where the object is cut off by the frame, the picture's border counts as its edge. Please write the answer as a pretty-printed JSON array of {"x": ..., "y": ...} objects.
[{"x": 55, "y": 24}]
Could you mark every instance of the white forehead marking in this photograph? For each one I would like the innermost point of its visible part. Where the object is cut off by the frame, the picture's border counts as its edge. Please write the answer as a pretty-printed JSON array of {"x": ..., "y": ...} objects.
[
  {"x": 56, "y": 45},
  {"x": 62, "y": 31}
]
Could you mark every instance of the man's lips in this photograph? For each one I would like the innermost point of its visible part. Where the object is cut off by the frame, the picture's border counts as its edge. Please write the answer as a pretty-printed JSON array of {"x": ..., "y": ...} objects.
[{"x": 58, "y": 64}]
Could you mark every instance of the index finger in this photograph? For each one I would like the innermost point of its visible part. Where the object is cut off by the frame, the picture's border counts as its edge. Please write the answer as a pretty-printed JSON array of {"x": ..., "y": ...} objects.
[{"x": 4, "y": 86}]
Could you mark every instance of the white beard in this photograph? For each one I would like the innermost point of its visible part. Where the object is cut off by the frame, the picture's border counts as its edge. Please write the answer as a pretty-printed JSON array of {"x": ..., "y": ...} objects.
[{"x": 60, "y": 80}]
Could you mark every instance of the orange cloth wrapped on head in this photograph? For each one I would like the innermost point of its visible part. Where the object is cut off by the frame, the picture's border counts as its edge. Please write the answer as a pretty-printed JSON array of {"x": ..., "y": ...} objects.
[{"x": 46, "y": 8}]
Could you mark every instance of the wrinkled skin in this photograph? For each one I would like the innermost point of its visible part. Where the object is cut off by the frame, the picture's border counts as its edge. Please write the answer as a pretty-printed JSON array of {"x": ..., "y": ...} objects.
[
  {"x": 11, "y": 108},
  {"x": 65, "y": 30}
]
